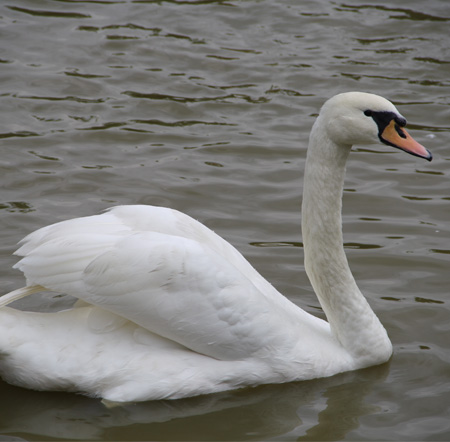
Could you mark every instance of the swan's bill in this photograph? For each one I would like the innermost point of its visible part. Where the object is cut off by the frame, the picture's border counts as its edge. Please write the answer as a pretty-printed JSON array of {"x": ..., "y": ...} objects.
[{"x": 396, "y": 136}]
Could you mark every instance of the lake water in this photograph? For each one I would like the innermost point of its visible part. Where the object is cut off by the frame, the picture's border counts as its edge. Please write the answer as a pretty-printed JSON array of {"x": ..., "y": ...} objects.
[{"x": 206, "y": 107}]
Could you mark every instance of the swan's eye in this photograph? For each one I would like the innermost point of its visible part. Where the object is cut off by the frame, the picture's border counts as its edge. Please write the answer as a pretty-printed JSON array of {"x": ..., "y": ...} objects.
[{"x": 368, "y": 113}]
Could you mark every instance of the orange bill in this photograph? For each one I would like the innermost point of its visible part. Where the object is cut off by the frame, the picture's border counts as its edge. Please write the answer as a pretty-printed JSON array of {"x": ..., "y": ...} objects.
[{"x": 397, "y": 136}]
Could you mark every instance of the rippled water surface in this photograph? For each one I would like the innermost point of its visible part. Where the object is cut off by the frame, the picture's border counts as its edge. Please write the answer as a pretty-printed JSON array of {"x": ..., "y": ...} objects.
[{"x": 206, "y": 107}]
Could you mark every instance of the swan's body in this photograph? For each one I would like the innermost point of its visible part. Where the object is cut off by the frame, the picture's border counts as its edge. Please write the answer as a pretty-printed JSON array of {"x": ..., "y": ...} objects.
[{"x": 172, "y": 310}]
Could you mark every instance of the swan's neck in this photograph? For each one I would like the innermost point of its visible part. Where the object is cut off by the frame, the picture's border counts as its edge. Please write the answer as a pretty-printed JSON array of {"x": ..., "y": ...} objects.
[{"x": 352, "y": 321}]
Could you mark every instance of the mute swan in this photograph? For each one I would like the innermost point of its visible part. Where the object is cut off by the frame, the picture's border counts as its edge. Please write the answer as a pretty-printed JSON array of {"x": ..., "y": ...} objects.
[{"x": 169, "y": 309}]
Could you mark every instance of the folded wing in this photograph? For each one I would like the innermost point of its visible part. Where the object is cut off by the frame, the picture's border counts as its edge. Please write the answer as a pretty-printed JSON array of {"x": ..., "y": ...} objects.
[{"x": 164, "y": 271}]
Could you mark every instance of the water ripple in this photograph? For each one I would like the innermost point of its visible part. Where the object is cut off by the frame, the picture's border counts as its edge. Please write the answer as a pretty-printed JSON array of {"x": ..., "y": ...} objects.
[
  {"x": 180, "y": 99},
  {"x": 66, "y": 98},
  {"x": 47, "y": 13},
  {"x": 408, "y": 14}
]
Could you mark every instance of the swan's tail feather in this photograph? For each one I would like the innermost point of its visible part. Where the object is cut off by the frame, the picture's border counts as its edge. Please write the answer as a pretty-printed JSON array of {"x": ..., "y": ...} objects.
[{"x": 20, "y": 293}]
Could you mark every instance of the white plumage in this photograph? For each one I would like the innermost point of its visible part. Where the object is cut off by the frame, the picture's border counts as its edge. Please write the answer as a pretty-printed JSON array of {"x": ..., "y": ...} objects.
[{"x": 172, "y": 310}]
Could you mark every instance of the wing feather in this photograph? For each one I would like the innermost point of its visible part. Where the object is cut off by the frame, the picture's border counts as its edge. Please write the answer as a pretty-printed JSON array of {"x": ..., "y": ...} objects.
[
  {"x": 181, "y": 290},
  {"x": 162, "y": 270}
]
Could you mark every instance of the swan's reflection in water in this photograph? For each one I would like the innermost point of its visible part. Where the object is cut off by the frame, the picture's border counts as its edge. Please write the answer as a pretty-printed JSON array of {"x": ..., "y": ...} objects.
[{"x": 323, "y": 409}]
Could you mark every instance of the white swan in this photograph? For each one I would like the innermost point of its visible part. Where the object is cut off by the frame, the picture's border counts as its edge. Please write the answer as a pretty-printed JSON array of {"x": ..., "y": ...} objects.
[{"x": 172, "y": 310}]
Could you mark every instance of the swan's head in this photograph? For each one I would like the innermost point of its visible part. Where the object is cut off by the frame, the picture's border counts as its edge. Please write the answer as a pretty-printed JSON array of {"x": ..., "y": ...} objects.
[{"x": 361, "y": 118}]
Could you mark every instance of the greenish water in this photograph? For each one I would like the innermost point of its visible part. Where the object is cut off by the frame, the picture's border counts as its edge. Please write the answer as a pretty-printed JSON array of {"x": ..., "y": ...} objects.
[{"x": 206, "y": 107}]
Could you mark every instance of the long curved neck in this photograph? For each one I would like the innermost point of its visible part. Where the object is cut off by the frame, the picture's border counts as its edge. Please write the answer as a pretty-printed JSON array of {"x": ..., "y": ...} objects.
[{"x": 352, "y": 321}]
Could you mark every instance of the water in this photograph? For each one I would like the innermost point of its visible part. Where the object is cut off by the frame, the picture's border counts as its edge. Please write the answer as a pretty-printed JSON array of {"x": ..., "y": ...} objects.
[{"x": 206, "y": 107}]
